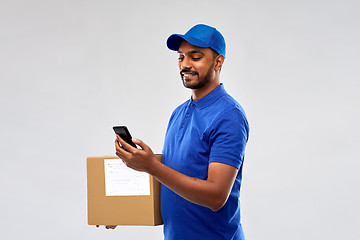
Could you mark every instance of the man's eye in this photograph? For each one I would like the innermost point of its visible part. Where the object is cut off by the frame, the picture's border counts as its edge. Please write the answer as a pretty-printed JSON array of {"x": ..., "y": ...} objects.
[
  {"x": 180, "y": 59},
  {"x": 196, "y": 58}
]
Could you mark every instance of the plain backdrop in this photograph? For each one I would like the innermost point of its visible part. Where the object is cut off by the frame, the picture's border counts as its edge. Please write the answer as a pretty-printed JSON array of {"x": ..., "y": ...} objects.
[{"x": 71, "y": 69}]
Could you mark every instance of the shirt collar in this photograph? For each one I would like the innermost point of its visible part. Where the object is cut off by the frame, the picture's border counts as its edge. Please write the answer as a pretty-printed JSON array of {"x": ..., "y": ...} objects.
[{"x": 209, "y": 98}]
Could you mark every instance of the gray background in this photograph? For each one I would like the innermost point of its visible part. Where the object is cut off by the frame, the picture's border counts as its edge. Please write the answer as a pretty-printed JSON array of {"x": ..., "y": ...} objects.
[{"x": 70, "y": 70}]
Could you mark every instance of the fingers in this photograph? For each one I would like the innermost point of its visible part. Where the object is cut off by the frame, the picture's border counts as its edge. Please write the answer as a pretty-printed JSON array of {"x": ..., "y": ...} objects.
[
  {"x": 124, "y": 144},
  {"x": 118, "y": 147},
  {"x": 110, "y": 226},
  {"x": 145, "y": 147},
  {"x": 135, "y": 158},
  {"x": 120, "y": 151}
]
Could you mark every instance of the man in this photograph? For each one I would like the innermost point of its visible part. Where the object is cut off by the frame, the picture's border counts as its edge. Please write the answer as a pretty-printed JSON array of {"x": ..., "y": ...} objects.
[{"x": 204, "y": 147}]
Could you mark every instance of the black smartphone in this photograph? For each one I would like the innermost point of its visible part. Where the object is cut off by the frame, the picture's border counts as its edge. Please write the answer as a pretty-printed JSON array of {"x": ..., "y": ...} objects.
[{"x": 124, "y": 133}]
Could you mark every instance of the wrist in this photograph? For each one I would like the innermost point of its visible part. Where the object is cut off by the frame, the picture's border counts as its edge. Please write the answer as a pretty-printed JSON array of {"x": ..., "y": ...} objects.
[{"x": 156, "y": 164}]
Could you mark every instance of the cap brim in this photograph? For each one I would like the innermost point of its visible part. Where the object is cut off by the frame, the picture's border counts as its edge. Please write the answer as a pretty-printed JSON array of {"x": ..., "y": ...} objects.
[{"x": 174, "y": 41}]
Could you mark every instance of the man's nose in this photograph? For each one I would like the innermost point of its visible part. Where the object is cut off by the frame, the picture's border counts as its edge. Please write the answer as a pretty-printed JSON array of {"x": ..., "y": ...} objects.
[{"x": 185, "y": 64}]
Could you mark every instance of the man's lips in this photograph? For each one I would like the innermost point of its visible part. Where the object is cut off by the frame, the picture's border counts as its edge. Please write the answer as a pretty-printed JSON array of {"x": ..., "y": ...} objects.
[{"x": 188, "y": 74}]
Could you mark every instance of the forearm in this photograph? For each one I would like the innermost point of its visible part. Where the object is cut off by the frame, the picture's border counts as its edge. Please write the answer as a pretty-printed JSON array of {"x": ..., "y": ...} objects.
[{"x": 202, "y": 192}]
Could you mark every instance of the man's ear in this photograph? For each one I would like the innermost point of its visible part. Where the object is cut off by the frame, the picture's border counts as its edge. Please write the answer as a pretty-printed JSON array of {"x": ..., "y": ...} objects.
[{"x": 219, "y": 60}]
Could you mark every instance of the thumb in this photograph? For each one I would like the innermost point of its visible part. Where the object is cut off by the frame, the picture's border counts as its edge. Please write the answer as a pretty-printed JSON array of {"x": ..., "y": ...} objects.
[{"x": 141, "y": 144}]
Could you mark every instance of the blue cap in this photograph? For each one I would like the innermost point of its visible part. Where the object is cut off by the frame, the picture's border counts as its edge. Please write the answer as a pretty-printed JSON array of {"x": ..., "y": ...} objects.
[{"x": 200, "y": 35}]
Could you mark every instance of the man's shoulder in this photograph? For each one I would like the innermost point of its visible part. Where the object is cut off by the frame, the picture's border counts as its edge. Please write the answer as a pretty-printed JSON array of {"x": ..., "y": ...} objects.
[{"x": 227, "y": 103}]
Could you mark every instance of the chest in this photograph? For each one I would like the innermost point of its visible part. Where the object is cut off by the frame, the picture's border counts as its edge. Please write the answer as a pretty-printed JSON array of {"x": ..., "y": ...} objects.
[{"x": 187, "y": 142}]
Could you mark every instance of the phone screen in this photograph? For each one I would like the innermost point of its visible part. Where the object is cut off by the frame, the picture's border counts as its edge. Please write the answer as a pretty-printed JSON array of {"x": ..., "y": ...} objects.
[{"x": 124, "y": 133}]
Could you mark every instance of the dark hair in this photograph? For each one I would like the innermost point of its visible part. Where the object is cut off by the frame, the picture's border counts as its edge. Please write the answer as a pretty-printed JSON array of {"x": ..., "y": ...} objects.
[{"x": 215, "y": 53}]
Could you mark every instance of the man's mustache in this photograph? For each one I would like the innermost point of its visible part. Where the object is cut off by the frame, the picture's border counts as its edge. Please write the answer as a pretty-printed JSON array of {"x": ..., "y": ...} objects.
[{"x": 188, "y": 71}]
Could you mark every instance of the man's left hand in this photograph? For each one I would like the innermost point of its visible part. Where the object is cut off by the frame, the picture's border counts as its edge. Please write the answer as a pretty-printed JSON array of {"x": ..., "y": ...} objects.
[{"x": 138, "y": 159}]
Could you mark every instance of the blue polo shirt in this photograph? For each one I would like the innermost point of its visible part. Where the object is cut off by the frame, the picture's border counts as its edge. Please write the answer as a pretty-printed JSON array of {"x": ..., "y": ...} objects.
[{"x": 211, "y": 129}]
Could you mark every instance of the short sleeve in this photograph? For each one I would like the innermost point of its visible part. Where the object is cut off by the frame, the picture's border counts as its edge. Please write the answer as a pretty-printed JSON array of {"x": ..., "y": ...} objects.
[{"x": 228, "y": 137}]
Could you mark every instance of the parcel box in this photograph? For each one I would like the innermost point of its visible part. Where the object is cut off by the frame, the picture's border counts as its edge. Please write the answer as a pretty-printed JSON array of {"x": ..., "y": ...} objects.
[{"x": 118, "y": 195}]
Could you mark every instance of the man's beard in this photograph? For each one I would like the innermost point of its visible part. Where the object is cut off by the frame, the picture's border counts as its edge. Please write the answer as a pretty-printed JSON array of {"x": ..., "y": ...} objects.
[{"x": 201, "y": 81}]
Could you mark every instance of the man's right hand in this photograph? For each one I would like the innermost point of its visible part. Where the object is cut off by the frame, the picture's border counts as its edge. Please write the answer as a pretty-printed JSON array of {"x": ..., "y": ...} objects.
[{"x": 108, "y": 226}]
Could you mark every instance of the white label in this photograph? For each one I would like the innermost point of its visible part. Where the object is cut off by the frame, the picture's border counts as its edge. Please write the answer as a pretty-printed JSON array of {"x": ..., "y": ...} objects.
[{"x": 123, "y": 181}]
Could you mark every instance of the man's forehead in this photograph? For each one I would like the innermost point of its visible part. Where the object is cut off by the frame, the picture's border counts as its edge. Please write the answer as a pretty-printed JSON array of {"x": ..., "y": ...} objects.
[{"x": 186, "y": 47}]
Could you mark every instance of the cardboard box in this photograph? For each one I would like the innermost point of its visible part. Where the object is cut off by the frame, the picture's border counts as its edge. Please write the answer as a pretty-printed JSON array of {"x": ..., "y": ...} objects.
[{"x": 120, "y": 210}]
